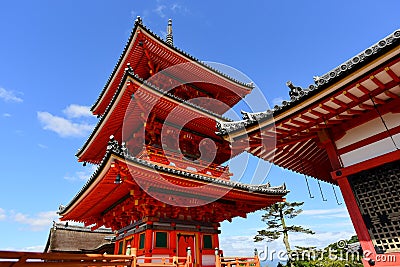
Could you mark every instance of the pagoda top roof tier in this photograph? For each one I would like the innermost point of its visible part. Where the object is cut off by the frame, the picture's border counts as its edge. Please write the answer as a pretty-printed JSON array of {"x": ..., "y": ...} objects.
[
  {"x": 348, "y": 92},
  {"x": 101, "y": 194},
  {"x": 144, "y": 46}
]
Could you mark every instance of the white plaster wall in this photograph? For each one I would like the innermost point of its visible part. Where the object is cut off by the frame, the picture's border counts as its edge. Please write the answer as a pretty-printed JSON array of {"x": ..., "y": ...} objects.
[
  {"x": 373, "y": 150},
  {"x": 368, "y": 129}
]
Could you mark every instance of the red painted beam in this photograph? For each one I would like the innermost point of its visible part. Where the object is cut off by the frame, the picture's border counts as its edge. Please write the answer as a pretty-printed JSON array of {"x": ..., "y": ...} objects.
[
  {"x": 366, "y": 165},
  {"x": 392, "y": 74},
  {"x": 363, "y": 89},
  {"x": 369, "y": 140},
  {"x": 338, "y": 102},
  {"x": 370, "y": 115}
]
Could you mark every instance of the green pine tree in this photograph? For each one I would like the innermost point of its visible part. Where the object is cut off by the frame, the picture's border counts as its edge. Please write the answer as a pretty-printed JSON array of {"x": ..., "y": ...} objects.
[{"x": 275, "y": 217}]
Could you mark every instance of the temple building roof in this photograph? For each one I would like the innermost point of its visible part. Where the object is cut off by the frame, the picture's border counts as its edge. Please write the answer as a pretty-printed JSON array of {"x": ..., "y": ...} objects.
[
  {"x": 297, "y": 129},
  {"x": 298, "y": 94},
  {"x": 79, "y": 239}
]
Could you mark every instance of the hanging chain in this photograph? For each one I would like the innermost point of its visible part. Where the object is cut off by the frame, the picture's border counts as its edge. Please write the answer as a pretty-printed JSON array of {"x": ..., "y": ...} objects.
[
  {"x": 337, "y": 200},
  {"x": 322, "y": 194},
  {"x": 383, "y": 121},
  {"x": 305, "y": 177},
  {"x": 319, "y": 185}
]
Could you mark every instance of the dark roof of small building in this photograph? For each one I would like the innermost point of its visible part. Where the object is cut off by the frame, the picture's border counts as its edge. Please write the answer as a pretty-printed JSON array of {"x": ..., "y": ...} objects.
[
  {"x": 298, "y": 95},
  {"x": 79, "y": 239}
]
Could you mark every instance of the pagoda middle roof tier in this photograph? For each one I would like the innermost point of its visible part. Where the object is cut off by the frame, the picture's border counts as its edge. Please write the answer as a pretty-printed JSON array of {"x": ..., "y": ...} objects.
[
  {"x": 145, "y": 48},
  {"x": 347, "y": 95},
  {"x": 130, "y": 108},
  {"x": 165, "y": 189}
]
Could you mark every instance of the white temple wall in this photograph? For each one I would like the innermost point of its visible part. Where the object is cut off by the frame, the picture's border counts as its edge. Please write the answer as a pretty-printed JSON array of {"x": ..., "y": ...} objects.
[{"x": 364, "y": 131}]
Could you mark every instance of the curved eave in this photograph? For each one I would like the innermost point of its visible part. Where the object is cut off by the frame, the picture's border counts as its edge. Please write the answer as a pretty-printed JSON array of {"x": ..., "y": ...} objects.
[
  {"x": 339, "y": 99},
  {"x": 99, "y": 107},
  {"x": 123, "y": 95},
  {"x": 326, "y": 85},
  {"x": 116, "y": 154}
]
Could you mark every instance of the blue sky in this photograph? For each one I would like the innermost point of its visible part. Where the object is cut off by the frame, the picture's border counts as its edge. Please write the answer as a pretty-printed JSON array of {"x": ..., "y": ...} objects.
[{"x": 55, "y": 57}]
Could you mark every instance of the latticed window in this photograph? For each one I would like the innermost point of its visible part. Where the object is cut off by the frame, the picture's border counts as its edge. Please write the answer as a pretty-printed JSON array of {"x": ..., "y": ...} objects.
[{"x": 377, "y": 194}]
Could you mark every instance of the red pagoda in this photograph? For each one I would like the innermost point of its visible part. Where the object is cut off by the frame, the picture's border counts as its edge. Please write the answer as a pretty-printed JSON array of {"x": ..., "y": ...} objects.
[
  {"x": 160, "y": 183},
  {"x": 345, "y": 130}
]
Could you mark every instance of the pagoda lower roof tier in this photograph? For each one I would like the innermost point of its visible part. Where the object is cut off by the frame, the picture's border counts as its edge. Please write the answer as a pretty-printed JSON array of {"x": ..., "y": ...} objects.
[
  {"x": 125, "y": 189},
  {"x": 137, "y": 104},
  {"x": 148, "y": 54}
]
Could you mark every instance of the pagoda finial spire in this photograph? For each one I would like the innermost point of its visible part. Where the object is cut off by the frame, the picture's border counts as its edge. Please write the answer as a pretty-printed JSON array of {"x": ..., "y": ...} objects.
[{"x": 169, "y": 39}]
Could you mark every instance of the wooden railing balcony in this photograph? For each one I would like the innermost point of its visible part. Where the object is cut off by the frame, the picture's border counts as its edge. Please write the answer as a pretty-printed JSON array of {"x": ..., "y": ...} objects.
[
  {"x": 177, "y": 160},
  {"x": 37, "y": 259},
  {"x": 221, "y": 261}
]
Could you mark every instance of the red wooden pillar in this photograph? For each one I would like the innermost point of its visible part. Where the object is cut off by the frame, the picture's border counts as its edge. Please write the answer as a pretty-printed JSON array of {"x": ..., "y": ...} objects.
[
  {"x": 215, "y": 237},
  {"x": 135, "y": 241},
  {"x": 148, "y": 243},
  {"x": 215, "y": 241},
  {"x": 357, "y": 219},
  {"x": 172, "y": 241},
  {"x": 198, "y": 258}
]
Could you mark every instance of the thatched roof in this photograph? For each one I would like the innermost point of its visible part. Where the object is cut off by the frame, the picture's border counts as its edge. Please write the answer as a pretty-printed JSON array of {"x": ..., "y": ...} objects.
[{"x": 79, "y": 239}]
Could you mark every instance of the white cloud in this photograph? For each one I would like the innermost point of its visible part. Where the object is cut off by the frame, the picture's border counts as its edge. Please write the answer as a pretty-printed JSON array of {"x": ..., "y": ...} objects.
[
  {"x": 347, "y": 224},
  {"x": 62, "y": 126},
  {"x": 77, "y": 111},
  {"x": 176, "y": 7},
  {"x": 320, "y": 239},
  {"x": 238, "y": 245},
  {"x": 2, "y": 214},
  {"x": 42, "y": 146},
  {"x": 9, "y": 96},
  {"x": 38, "y": 248},
  {"x": 6, "y": 115},
  {"x": 159, "y": 10},
  {"x": 327, "y": 213},
  {"x": 39, "y": 222},
  {"x": 81, "y": 175}
]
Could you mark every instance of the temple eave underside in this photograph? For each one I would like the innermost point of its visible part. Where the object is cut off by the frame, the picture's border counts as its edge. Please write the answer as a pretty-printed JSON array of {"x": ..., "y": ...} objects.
[{"x": 296, "y": 137}]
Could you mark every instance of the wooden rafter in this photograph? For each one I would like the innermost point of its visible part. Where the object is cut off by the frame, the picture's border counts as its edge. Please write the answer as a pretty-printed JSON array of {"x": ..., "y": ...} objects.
[
  {"x": 391, "y": 95},
  {"x": 306, "y": 149},
  {"x": 377, "y": 82},
  {"x": 362, "y": 89},
  {"x": 392, "y": 74},
  {"x": 338, "y": 102}
]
